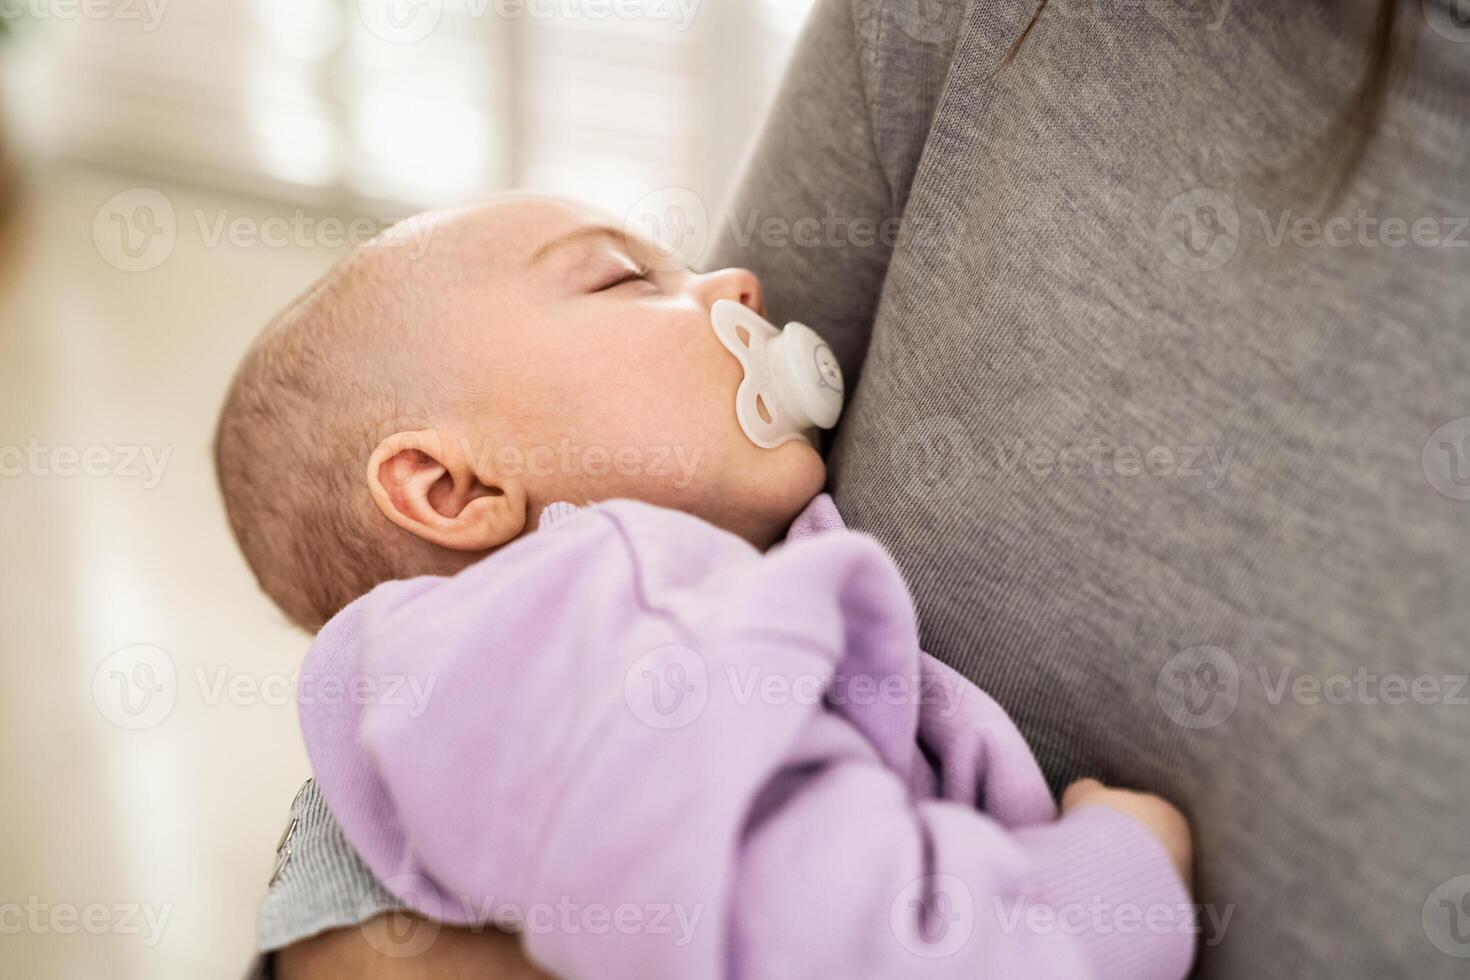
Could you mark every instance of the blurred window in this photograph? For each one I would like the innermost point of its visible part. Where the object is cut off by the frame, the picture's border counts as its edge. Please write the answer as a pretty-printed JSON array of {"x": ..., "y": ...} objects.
[{"x": 404, "y": 103}]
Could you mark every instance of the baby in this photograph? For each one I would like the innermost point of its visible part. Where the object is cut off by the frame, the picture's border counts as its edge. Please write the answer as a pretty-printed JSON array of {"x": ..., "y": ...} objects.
[{"x": 551, "y": 429}]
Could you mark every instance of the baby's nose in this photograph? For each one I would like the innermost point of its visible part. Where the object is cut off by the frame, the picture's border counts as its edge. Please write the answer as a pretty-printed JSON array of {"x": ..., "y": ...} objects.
[{"x": 740, "y": 285}]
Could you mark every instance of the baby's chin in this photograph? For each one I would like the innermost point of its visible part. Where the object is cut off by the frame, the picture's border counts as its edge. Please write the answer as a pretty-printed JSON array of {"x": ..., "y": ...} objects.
[{"x": 777, "y": 485}]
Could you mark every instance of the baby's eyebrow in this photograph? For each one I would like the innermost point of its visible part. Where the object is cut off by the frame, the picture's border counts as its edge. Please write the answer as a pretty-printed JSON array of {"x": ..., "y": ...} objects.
[{"x": 575, "y": 236}]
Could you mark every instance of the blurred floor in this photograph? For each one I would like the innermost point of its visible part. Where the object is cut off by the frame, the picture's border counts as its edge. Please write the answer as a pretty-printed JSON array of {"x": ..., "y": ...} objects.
[{"x": 144, "y": 789}]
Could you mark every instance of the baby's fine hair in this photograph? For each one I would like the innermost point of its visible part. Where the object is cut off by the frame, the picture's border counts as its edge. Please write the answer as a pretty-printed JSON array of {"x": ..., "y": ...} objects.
[{"x": 328, "y": 377}]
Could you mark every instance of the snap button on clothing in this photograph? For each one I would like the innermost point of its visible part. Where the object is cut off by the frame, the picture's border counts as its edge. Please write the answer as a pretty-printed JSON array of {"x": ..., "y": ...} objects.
[{"x": 283, "y": 850}]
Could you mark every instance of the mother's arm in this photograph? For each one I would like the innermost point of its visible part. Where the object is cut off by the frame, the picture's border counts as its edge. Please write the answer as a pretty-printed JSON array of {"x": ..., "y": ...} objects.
[{"x": 372, "y": 952}]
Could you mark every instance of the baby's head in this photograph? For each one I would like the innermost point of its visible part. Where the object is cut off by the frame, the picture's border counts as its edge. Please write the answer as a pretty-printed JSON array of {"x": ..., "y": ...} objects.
[{"x": 422, "y": 403}]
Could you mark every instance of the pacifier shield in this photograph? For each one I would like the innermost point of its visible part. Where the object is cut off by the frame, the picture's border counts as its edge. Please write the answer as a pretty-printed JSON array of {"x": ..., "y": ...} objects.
[{"x": 792, "y": 383}]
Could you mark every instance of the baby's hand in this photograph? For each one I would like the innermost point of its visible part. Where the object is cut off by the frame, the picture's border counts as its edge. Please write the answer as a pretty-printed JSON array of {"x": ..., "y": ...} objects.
[{"x": 1155, "y": 813}]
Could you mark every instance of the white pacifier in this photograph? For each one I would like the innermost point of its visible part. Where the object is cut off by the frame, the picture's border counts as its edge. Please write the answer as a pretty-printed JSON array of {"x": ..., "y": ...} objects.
[{"x": 792, "y": 382}]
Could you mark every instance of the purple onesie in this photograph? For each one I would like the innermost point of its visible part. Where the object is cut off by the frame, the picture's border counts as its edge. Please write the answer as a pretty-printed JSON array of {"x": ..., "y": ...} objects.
[{"x": 656, "y": 751}]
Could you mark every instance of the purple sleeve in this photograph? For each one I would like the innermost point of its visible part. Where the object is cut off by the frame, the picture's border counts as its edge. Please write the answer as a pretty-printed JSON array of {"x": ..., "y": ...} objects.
[{"x": 623, "y": 750}]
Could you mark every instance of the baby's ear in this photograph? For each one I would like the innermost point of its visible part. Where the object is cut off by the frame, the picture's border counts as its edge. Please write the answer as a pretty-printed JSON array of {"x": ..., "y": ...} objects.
[{"x": 427, "y": 483}]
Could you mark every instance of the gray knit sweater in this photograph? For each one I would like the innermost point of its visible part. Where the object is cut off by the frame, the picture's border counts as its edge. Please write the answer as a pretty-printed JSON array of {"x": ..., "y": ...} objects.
[{"x": 1178, "y": 469}]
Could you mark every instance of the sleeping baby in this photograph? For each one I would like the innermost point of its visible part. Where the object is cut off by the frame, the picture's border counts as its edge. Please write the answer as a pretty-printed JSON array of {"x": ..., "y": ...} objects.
[{"x": 677, "y": 722}]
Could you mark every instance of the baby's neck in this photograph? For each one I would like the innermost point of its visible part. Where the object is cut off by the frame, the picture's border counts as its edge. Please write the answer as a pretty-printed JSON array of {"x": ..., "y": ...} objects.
[{"x": 762, "y": 533}]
